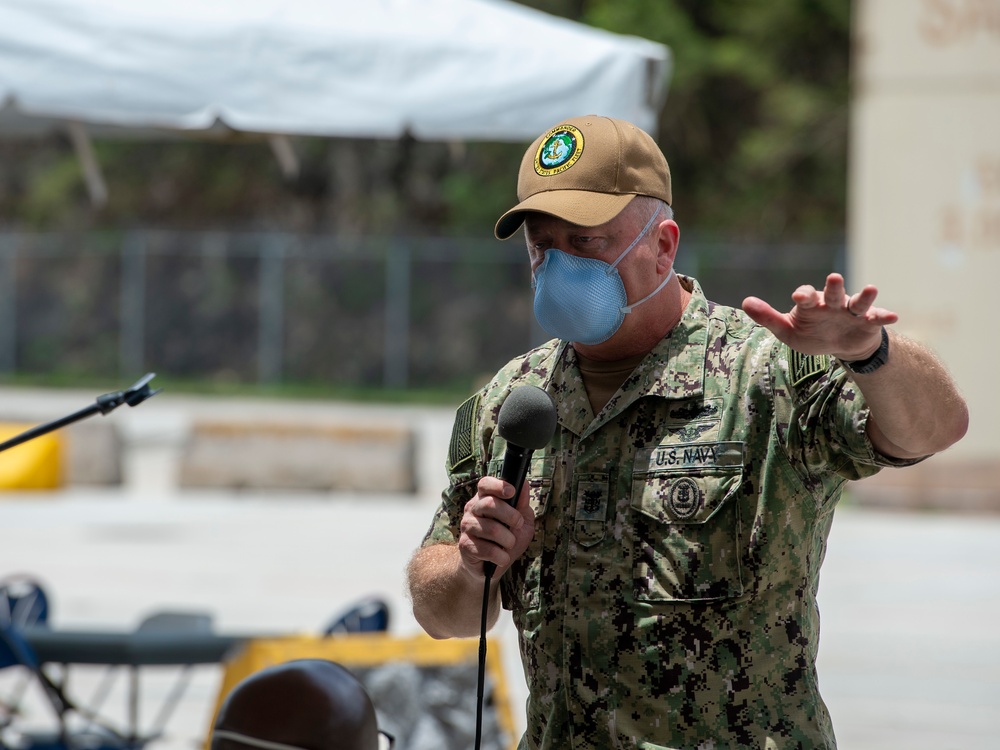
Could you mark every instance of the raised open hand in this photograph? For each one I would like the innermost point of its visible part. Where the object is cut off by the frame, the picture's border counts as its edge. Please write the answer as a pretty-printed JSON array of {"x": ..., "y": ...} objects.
[{"x": 827, "y": 321}]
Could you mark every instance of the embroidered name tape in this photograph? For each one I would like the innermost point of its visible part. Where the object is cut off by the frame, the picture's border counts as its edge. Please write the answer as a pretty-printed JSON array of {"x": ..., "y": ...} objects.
[{"x": 690, "y": 456}]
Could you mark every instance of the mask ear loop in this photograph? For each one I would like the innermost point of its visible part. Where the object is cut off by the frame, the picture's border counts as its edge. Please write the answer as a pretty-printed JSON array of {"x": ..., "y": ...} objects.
[
  {"x": 611, "y": 268},
  {"x": 628, "y": 308},
  {"x": 634, "y": 242}
]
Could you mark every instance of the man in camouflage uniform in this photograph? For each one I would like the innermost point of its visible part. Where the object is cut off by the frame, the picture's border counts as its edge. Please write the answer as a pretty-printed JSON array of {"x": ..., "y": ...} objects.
[{"x": 662, "y": 562}]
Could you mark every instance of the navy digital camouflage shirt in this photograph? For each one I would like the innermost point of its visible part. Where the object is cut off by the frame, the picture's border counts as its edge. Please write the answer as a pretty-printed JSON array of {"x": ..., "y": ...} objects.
[{"x": 668, "y": 598}]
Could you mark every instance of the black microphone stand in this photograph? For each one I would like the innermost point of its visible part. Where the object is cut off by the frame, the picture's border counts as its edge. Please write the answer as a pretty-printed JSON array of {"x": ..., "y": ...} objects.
[{"x": 133, "y": 396}]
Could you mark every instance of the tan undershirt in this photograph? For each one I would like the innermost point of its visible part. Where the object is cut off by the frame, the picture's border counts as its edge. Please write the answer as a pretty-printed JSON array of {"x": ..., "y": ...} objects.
[{"x": 603, "y": 379}]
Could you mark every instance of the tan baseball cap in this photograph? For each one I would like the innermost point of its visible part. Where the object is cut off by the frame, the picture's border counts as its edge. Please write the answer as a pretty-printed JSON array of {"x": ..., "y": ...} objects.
[{"x": 585, "y": 171}]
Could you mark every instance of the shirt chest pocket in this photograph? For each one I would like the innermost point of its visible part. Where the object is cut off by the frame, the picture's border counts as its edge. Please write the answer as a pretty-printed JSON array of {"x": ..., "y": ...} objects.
[{"x": 686, "y": 522}]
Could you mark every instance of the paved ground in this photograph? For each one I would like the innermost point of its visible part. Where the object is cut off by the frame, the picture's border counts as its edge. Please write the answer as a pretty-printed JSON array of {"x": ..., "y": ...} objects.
[{"x": 910, "y": 654}]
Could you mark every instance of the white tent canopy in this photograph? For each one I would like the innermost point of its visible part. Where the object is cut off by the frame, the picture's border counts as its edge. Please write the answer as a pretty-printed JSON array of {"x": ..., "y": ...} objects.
[{"x": 436, "y": 69}]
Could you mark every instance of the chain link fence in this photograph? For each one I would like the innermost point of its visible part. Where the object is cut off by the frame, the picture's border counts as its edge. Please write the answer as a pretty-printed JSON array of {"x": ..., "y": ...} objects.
[{"x": 272, "y": 307}]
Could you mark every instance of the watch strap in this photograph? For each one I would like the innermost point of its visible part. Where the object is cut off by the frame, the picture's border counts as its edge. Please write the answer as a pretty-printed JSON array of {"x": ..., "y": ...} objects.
[{"x": 875, "y": 361}]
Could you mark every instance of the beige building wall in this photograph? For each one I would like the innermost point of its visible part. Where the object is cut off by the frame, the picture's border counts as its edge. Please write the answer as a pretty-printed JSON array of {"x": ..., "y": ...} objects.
[{"x": 924, "y": 210}]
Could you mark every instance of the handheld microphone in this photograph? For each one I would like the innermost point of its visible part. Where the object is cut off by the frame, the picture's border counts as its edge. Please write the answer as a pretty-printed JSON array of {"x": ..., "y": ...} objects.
[{"x": 527, "y": 421}]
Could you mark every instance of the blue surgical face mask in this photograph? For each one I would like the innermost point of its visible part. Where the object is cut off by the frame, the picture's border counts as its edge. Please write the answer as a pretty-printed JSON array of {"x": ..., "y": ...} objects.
[{"x": 583, "y": 299}]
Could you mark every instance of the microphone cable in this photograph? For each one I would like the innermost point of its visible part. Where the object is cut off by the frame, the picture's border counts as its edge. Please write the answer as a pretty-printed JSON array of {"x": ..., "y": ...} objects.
[{"x": 488, "y": 571}]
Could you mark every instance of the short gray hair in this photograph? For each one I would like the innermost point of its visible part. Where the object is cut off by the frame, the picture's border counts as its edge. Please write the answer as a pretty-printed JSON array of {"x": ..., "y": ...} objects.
[{"x": 644, "y": 207}]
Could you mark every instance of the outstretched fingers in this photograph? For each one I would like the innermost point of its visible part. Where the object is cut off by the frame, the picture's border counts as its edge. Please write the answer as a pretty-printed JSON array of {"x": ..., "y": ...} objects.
[
  {"x": 807, "y": 297},
  {"x": 861, "y": 303},
  {"x": 824, "y": 321},
  {"x": 761, "y": 312}
]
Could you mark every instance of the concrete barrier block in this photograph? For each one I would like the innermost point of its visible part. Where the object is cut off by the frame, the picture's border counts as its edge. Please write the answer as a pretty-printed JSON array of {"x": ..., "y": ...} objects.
[
  {"x": 274, "y": 455},
  {"x": 93, "y": 454}
]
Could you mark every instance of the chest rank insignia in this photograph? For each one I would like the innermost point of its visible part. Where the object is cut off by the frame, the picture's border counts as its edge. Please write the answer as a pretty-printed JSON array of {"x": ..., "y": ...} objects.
[
  {"x": 805, "y": 366},
  {"x": 684, "y": 498},
  {"x": 559, "y": 150}
]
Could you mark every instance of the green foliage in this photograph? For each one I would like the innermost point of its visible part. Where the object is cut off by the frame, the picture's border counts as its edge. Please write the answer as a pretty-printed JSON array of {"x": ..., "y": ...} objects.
[
  {"x": 481, "y": 188},
  {"x": 52, "y": 189},
  {"x": 754, "y": 127}
]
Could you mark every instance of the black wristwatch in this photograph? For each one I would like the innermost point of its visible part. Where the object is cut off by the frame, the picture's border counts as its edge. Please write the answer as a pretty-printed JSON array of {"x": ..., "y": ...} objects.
[{"x": 872, "y": 363}]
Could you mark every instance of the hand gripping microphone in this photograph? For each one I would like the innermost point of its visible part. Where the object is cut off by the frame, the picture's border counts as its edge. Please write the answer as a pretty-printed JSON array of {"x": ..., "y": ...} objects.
[{"x": 527, "y": 421}]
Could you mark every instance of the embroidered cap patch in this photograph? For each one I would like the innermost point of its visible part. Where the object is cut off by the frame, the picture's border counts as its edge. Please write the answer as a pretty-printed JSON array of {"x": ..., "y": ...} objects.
[{"x": 559, "y": 150}]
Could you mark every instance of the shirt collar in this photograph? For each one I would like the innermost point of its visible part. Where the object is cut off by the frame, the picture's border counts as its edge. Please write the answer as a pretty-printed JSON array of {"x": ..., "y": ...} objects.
[
  {"x": 674, "y": 369},
  {"x": 676, "y": 366}
]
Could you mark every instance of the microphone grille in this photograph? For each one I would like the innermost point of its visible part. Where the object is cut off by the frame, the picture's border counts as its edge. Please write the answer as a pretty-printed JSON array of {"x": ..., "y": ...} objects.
[{"x": 527, "y": 417}]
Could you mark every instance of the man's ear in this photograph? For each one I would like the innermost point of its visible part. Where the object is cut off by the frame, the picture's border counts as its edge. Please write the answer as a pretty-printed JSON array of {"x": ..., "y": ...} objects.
[{"x": 668, "y": 240}]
